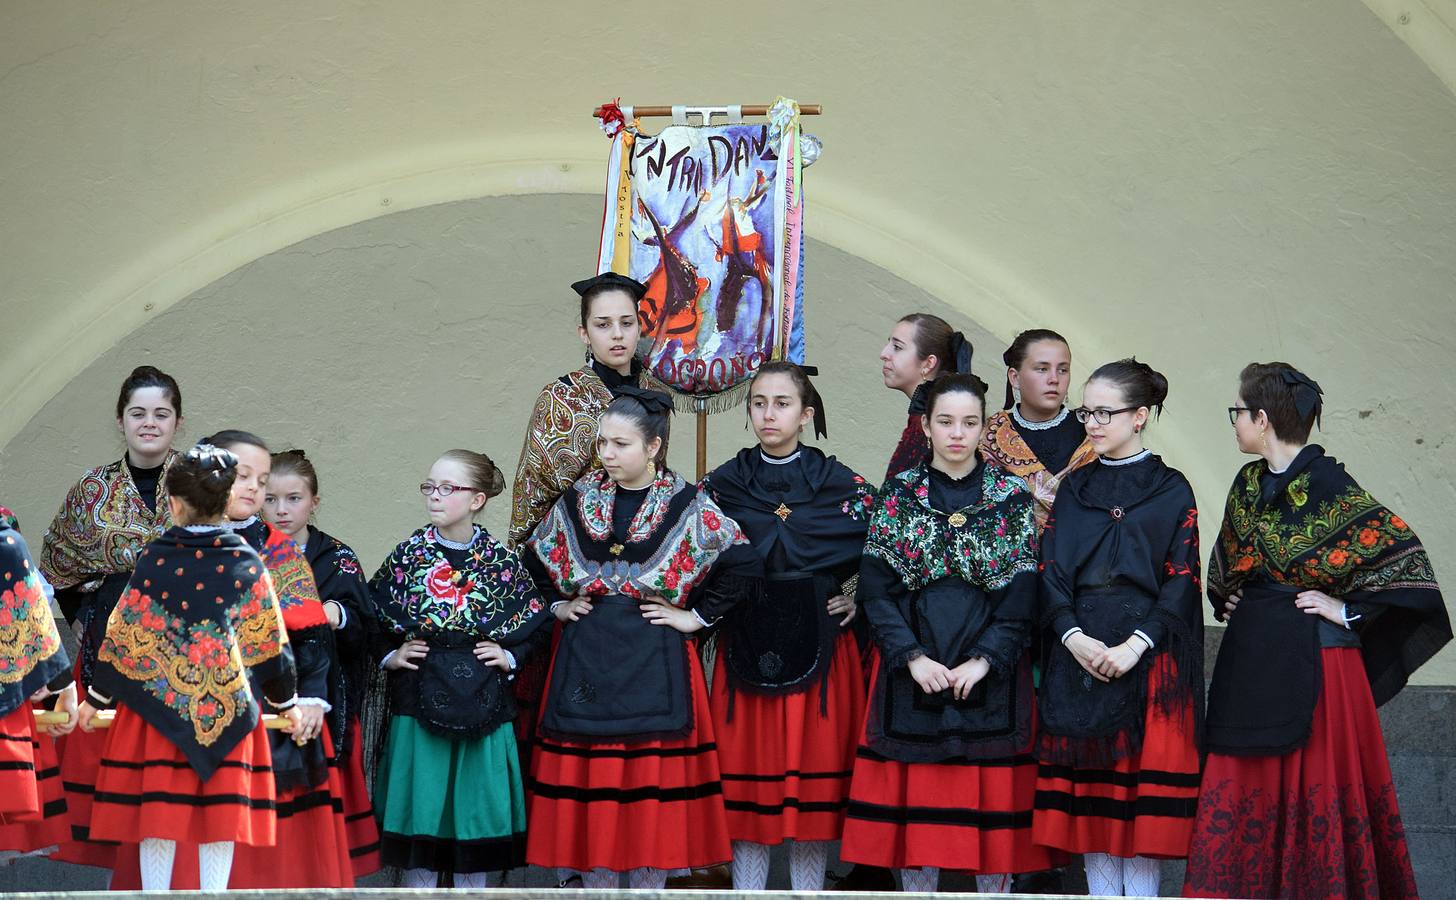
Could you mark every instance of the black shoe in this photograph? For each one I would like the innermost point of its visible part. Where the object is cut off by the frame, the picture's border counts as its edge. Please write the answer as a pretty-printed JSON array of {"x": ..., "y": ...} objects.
[
  {"x": 866, "y": 878},
  {"x": 1050, "y": 881}
]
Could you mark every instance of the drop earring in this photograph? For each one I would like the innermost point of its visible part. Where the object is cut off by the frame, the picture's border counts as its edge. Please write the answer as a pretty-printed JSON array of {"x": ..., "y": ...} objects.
[
  {"x": 1137, "y": 429},
  {"x": 588, "y": 356}
]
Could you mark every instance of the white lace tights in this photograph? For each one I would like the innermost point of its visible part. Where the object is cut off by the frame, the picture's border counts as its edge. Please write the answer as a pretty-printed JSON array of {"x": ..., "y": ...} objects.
[
  {"x": 214, "y": 864},
  {"x": 1116, "y": 876}
]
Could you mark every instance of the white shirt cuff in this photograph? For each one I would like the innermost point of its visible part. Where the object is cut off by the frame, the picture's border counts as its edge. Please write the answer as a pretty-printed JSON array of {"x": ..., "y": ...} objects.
[
  {"x": 1345, "y": 614},
  {"x": 384, "y": 663},
  {"x": 1075, "y": 629},
  {"x": 343, "y": 614},
  {"x": 705, "y": 623},
  {"x": 286, "y": 704},
  {"x": 316, "y": 701},
  {"x": 1144, "y": 635}
]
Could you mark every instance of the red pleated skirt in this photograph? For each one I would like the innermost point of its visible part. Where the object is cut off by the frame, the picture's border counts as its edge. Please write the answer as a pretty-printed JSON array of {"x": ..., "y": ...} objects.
[
  {"x": 32, "y": 803},
  {"x": 80, "y": 755},
  {"x": 311, "y": 849},
  {"x": 363, "y": 830},
  {"x": 972, "y": 816},
  {"x": 145, "y": 788},
  {"x": 787, "y": 759},
  {"x": 621, "y": 807},
  {"x": 1321, "y": 821},
  {"x": 1141, "y": 806}
]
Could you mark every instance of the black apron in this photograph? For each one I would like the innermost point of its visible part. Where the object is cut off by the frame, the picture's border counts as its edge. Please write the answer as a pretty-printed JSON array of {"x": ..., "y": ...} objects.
[
  {"x": 1073, "y": 703},
  {"x": 618, "y": 678},
  {"x": 1267, "y": 677},
  {"x": 993, "y": 720},
  {"x": 781, "y": 641},
  {"x": 453, "y": 694}
]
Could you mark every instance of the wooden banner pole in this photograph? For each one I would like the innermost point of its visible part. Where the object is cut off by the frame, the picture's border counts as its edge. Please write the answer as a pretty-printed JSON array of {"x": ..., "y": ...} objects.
[{"x": 701, "y": 405}]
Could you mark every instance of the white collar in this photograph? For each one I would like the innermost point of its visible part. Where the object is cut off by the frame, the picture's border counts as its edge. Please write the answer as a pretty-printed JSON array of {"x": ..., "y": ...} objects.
[
  {"x": 1053, "y": 422},
  {"x": 1126, "y": 460},
  {"x": 777, "y": 461},
  {"x": 456, "y": 545},
  {"x": 239, "y": 526},
  {"x": 198, "y": 529}
]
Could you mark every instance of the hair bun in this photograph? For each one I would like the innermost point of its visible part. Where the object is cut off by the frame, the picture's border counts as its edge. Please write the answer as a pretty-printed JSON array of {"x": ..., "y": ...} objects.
[{"x": 212, "y": 459}]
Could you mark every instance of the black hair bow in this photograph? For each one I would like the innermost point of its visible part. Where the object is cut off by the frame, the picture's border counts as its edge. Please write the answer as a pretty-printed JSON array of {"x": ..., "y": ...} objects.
[
  {"x": 1307, "y": 394},
  {"x": 961, "y": 352},
  {"x": 212, "y": 459},
  {"x": 821, "y": 423},
  {"x": 652, "y": 401}
]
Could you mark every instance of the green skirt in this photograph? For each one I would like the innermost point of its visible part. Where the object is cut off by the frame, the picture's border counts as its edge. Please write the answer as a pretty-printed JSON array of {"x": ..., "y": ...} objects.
[{"x": 450, "y": 806}]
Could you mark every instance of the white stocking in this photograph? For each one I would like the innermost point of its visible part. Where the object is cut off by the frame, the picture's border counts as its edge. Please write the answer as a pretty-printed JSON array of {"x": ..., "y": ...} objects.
[
  {"x": 420, "y": 878},
  {"x": 1104, "y": 874},
  {"x": 807, "y": 861},
  {"x": 156, "y": 862},
  {"x": 647, "y": 879},
  {"x": 993, "y": 884},
  {"x": 477, "y": 880},
  {"x": 600, "y": 880},
  {"x": 920, "y": 881},
  {"x": 750, "y": 866},
  {"x": 214, "y": 865},
  {"x": 1141, "y": 877}
]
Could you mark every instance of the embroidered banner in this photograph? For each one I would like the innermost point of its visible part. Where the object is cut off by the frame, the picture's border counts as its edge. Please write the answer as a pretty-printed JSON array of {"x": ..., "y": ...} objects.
[{"x": 710, "y": 218}]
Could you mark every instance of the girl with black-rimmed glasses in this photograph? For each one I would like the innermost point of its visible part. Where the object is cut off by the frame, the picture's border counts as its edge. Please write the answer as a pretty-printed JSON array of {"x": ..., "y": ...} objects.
[{"x": 1121, "y": 692}]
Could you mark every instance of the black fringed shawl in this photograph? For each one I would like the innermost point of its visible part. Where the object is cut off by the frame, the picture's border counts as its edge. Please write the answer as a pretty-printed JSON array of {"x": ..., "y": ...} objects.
[{"x": 1119, "y": 554}]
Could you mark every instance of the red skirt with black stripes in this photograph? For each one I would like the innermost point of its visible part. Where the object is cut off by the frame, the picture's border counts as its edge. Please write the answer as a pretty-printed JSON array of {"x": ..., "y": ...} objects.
[
  {"x": 32, "y": 804},
  {"x": 621, "y": 806},
  {"x": 145, "y": 788},
  {"x": 1143, "y": 805},
  {"x": 787, "y": 759},
  {"x": 311, "y": 848},
  {"x": 969, "y": 815},
  {"x": 359, "y": 822}
]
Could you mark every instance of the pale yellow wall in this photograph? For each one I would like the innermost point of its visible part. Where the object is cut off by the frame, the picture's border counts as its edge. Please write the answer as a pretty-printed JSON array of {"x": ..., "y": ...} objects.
[{"x": 1202, "y": 184}]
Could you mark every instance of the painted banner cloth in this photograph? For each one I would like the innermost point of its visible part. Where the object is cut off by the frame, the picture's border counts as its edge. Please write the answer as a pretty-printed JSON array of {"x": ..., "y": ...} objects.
[{"x": 710, "y": 218}]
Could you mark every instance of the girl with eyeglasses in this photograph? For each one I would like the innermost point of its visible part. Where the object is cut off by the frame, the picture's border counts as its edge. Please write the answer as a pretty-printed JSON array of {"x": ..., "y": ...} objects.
[
  {"x": 291, "y": 498},
  {"x": 943, "y": 777},
  {"x": 1121, "y": 693},
  {"x": 637, "y": 563},
  {"x": 1331, "y": 603},
  {"x": 455, "y": 610}
]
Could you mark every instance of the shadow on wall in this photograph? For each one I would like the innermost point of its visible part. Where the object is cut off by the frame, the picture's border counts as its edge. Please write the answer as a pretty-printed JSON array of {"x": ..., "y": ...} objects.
[{"x": 377, "y": 346}]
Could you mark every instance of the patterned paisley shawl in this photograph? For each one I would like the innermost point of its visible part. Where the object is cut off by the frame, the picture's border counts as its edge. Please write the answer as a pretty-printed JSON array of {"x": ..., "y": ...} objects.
[
  {"x": 1003, "y": 445},
  {"x": 560, "y": 444},
  {"x": 1313, "y": 527},
  {"x": 102, "y": 526},
  {"x": 293, "y": 581},
  {"x": 31, "y": 655},
  {"x": 198, "y": 613}
]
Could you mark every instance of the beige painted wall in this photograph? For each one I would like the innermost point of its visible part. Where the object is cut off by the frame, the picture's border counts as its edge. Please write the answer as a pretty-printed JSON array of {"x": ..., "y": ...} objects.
[
  {"x": 378, "y": 346},
  {"x": 1202, "y": 184}
]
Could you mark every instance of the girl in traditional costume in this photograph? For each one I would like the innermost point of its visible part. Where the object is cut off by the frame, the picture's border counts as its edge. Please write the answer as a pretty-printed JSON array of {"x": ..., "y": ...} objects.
[
  {"x": 943, "y": 777},
  {"x": 560, "y": 444},
  {"x": 788, "y": 690},
  {"x": 920, "y": 348},
  {"x": 455, "y": 608},
  {"x": 625, "y": 774},
  {"x": 289, "y": 504},
  {"x": 33, "y": 667},
  {"x": 1331, "y": 603},
  {"x": 313, "y": 845},
  {"x": 186, "y": 759},
  {"x": 1122, "y": 695},
  {"x": 89, "y": 553},
  {"x": 1035, "y": 437}
]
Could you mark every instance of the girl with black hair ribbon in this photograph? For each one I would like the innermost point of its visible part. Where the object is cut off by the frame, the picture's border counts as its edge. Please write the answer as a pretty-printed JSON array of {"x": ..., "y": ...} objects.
[
  {"x": 921, "y": 347},
  {"x": 625, "y": 774},
  {"x": 1332, "y": 603},
  {"x": 788, "y": 693}
]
